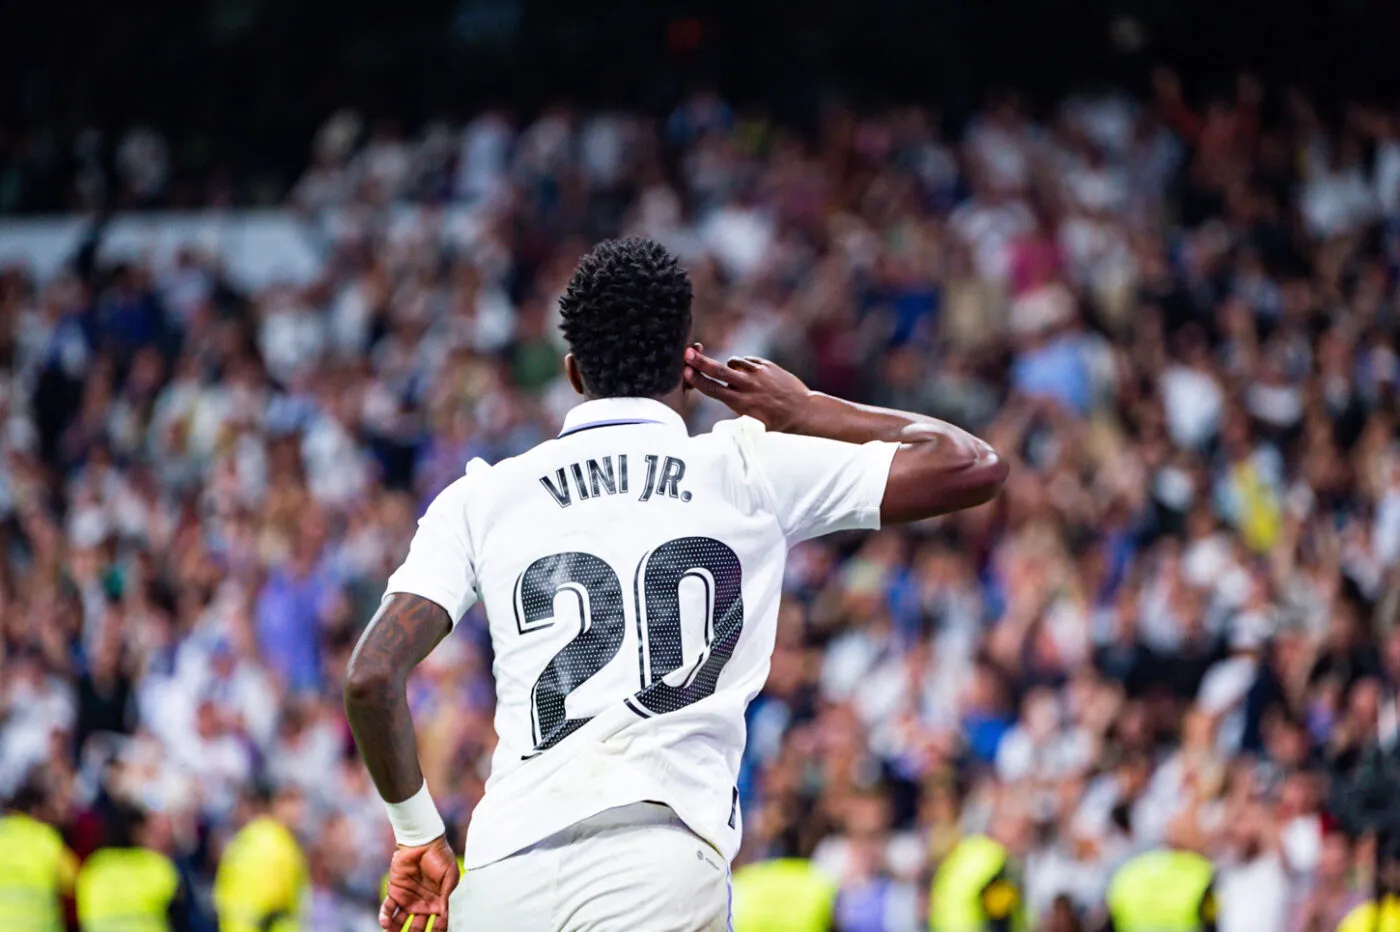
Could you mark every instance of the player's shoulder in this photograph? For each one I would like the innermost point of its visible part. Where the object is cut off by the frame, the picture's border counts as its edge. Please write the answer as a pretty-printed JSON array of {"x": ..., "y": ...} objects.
[
  {"x": 511, "y": 467},
  {"x": 739, "y": 439},
  {"x": 745, "y": 446},
  {"x": 477, "y": 472},
  {"x": 771, "y": 454},
  {"x": 740, "y": 435},
  {"x": 735, "y": 429},
  {"x": 453, "y": 502}
]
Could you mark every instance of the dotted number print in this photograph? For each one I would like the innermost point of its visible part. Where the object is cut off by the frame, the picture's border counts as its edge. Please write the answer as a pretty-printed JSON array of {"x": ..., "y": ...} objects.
[
  {"x": 600, "y": 597},
  {"x": 657, "y": 591},
  {"x": 659, "y": 619}
]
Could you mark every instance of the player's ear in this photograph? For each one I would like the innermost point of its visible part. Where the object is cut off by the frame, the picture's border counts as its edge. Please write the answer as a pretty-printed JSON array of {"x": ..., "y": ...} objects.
[{"x": 572, "y": 373}]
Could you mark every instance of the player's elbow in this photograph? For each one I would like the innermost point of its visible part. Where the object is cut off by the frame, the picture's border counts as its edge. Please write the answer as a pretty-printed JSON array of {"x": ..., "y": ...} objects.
[
  {"x": 367, "y": 683},
  {"x": 984, "y": 478},
  {"x": 931, "y": 482},
  {"x": 970, "y": 483}
]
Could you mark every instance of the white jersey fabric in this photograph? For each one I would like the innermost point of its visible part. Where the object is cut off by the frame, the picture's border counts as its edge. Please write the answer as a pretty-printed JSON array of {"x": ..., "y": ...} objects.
[{"x": 631, "y": 575}]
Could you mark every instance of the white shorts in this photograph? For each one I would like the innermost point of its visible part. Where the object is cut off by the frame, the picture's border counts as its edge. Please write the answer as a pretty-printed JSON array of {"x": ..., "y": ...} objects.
[{"x": 636, "y": 868}]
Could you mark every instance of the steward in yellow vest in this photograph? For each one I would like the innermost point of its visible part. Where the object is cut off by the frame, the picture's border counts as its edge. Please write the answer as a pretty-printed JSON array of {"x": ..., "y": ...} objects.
[
  {"x": 1381, "y": 913},
  {"x": 262, "y": 880},
  {"x": 132, "y": 885},
  {"x": 1163, "y": 891},
  {"x": 782, "y": 895},
  {"x": 37, "y": 870},
  {"x": 975, "y": 889},
  {"x": 1364, "y": 919}
]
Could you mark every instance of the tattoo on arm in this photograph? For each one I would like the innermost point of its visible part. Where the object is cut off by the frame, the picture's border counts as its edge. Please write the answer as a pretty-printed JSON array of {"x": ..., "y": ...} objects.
[{"x": 404, "y": 631}]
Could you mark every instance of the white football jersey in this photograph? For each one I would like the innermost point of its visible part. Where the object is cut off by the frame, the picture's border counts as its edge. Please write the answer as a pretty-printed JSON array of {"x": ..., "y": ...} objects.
[{"x": 631, "y": 575}]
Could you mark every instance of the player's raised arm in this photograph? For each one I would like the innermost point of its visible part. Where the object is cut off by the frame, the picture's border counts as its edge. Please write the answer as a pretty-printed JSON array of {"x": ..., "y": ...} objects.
[
  {"x": 938, "y": 468},
  {"x": 424, "y": 871}
]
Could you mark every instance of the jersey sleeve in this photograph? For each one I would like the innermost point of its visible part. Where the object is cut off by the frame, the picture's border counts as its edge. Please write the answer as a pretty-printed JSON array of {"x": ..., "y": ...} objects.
[
  {"x": 440, "y": 565},
  {"x": 819, "y": 486}
]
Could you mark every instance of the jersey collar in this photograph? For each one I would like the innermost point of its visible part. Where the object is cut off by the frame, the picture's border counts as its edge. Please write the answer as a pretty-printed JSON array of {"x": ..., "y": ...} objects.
[{"x": 609, "y": 412}]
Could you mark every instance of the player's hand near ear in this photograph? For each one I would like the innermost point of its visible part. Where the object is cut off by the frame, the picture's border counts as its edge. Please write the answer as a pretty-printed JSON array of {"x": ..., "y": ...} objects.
[{"x": 939, "y": 468}]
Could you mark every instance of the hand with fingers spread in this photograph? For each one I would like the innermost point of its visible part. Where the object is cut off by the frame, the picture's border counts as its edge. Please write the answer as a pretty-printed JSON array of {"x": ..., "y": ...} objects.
[
  {"x": 420, "y": 881},
  {"x": 751, "y": 386}
]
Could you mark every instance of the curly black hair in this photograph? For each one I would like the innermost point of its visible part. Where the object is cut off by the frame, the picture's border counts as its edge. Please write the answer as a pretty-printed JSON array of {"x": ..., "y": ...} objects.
[{"x": 626, "y": 317}]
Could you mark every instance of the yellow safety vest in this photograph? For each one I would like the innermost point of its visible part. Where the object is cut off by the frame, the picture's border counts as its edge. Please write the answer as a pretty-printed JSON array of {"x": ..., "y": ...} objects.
[
  {"x": 1363, "y": 917},
  {"x": 126, "y": 890},
  {"x": 261, "y": 880},
  {"x": 971, "y": 891},
  {"x": 1162, "y": 891},
  {"x": 782, "y": 895},
  {"x": 36, "y": 871},
  {"x": 1260, "y": 516}
]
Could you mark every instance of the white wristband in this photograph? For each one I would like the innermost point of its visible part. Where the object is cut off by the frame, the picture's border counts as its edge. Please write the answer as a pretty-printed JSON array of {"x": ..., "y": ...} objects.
[{"x": 416, "y": 820}]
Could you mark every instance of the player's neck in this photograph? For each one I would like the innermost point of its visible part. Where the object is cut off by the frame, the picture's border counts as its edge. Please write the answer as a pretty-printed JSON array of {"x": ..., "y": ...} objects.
[{"x": 677, "y": 400}]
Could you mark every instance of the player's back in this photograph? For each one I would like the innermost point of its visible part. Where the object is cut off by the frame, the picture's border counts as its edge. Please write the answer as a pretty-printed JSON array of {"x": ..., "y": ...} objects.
[{"x": 631, "y": 575}]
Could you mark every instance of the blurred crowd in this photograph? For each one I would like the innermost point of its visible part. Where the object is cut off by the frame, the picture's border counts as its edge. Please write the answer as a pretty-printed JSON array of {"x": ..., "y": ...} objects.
[{"x": 1178, "y": 319}]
